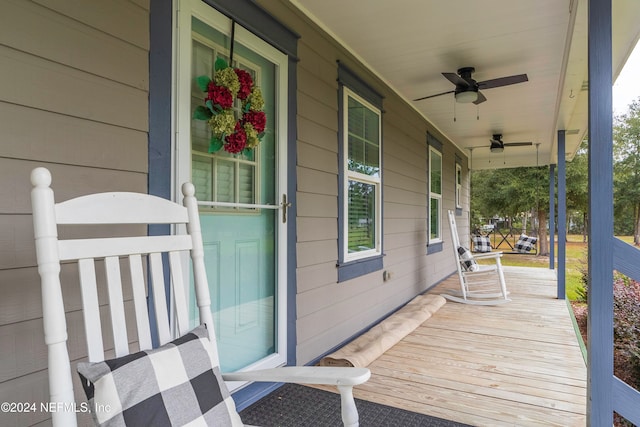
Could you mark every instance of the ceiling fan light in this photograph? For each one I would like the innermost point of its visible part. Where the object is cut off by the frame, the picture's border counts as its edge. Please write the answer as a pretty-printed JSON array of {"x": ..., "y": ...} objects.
[
  {"x": 467, "y": 97},
  {"x": 497, "y": 148}
]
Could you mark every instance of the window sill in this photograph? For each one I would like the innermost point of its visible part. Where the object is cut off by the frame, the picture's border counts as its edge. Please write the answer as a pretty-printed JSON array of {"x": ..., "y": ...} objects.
[
  {"x": 433, "y": 248},
  {"x": 352, "y": 269}
]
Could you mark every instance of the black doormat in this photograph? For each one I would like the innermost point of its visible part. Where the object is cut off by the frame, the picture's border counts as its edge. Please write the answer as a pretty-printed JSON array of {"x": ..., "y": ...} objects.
[{"x": 294, "y": 405}]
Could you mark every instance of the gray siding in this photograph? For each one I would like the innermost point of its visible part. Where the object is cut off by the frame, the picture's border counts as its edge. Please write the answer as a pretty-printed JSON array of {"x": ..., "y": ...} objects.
[
  {"x": 73, "y": 98},
  {"x": 330, "y": 312}
]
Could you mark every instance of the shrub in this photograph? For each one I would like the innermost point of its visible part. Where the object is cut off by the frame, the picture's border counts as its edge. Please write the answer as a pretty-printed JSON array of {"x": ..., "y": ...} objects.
[
  {"x": 626, "y": 325},
  {"x": 626, "y": 330}
]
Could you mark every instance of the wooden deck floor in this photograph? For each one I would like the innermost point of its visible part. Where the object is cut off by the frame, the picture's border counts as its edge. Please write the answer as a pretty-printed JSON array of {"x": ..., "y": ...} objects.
[{"x": 517, "y": 364}]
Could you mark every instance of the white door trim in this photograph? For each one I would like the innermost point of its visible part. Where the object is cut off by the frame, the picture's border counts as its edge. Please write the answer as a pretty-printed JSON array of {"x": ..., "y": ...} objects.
[{"x": 185, "y": 9}]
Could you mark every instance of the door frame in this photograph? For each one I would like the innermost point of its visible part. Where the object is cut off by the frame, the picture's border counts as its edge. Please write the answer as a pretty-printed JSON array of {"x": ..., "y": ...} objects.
[{"x": 181, "y": 153}]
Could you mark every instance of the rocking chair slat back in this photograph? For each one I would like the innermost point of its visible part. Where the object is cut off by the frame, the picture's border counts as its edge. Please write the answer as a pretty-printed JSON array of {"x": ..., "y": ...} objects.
[
  {"x": 91, "y": 311},
  {"x": 140, "y": 301},
  {"x": 159, "y": 298},
  {"x": 116, "y": 305}
]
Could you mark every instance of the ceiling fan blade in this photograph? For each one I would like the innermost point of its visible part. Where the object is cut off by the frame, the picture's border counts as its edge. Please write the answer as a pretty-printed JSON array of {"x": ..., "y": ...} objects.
[
  {"x": 503, "y": 81},
  {"x": 432, "y": 96},
  {"x": 480, "y": 99},
  {"x": 456, "y": 79},
  {"x": 517, "y": 144}
]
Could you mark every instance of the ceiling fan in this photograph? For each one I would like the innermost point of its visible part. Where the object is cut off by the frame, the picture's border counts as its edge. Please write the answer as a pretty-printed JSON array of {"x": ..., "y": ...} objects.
[
  {"x": 468, "y": 90},
  {"x": 497, "y": 145}
]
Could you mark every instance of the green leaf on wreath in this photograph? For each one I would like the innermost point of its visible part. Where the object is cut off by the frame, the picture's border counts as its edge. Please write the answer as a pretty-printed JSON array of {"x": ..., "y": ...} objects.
[
  {"x": 201, "y": 113},
  {"x": 220, "y": 64},
  {"x": 215, "y": 144},
  {"x": 210, "y": 106},
  {"x": 245, "y": 107},
  {"x": 260, "y": 135},
  {"x": 247, "y": 152},
  {"x": 203, "y": 82}
]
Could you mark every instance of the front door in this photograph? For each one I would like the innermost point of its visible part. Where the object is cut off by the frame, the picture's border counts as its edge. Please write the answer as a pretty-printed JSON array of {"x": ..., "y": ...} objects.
[{"x": 240, "y": 193}]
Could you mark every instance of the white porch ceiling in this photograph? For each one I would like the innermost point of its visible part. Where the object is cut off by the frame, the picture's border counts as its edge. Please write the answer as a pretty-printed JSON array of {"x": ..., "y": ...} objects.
[{"x": 409, "y": 43}]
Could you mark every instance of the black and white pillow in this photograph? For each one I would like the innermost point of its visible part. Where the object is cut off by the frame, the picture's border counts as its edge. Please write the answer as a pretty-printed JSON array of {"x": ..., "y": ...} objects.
[
  {"x": 176, "y": 384},
  {"x": 466, "y": 259},
  {"x": 481, "y": 243},
  {"x": 525, "y": 243}
]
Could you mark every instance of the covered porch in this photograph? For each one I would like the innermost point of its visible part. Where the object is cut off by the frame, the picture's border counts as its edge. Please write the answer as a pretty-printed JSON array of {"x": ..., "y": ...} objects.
[{"x": 513, "y": 364}]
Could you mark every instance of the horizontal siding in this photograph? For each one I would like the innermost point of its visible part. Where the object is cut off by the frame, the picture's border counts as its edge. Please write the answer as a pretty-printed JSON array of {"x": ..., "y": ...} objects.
[
  {"x": 399, "y": 180},
  {"x": 60, "y": 138},
  {"x": 317, "y": 205},
  {"x": 27, "y": 338},
  {"x": 73, "y": 98},
  {"x": 29, "y": 388},
  {"x": 316, "y": 276},
  {"x": 46, "y": 34},
  {"x": 313, "y": 133},
  {"x": 322, "y": 91},
  {"x": 311, "y": 229},
  {"x": 123, "y": 19},
  {"x": 318, "y": 112},
  {"x": 317, "y": 158},
  {"x": 317, "y": 182},
  {"x": 38, "y": 83},
  {"x": 67, "y": 181},
  {"x": 312, "y": 253},
  {"x": 415, "y": 237}
]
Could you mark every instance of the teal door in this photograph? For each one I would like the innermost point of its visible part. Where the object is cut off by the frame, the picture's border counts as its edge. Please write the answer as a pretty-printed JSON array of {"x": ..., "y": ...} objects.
[{"x": 239, "y": 196}]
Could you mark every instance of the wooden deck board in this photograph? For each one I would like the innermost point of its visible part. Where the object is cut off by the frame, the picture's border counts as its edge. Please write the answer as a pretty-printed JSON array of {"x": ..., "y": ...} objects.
[{"x": 516, "y": 364}]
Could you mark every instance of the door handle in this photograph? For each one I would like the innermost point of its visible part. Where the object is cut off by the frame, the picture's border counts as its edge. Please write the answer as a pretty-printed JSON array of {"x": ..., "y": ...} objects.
[{"x": 285, "y": 205}]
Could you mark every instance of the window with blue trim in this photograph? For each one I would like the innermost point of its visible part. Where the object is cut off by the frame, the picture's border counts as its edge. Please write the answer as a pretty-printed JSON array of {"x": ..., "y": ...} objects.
[
  {"x": 360, "y": 194},
  {"x": 458, "y": 185},
  {"x": 434, "y": 208},
  {"x": 435, "y": 195}
]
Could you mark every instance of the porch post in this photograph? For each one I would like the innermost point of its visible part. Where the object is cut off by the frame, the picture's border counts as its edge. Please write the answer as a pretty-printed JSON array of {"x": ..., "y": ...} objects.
[
  {"x": 562, "y": 215},
  {"x": 600, "y": 297},
  {"x": 159, "y": 152},
  {"x": 552, "y": 216}
]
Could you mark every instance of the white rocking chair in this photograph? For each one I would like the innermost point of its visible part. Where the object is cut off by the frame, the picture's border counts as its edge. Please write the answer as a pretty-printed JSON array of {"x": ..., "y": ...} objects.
[
  {"x": 479, "y": 284},
  {"x": 139, "y": 256}
]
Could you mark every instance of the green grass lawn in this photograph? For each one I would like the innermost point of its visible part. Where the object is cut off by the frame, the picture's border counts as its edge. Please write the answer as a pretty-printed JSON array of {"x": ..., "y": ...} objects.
[{"x": 576, "y": 256}]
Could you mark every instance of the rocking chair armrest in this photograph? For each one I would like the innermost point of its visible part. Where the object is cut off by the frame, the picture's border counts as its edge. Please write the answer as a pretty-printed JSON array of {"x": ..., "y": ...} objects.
[
  {"x": 488, "y": 255},
  {"x": 304, "y": 375}
]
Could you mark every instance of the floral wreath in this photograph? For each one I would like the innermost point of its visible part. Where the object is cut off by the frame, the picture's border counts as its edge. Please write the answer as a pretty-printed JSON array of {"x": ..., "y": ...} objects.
[{"x": 234, "y": 135}]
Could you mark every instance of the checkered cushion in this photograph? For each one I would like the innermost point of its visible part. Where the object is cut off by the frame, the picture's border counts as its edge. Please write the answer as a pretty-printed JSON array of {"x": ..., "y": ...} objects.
[
  {"x": 176, "y": 384},
  {"x": 466, "y": 259},
  {"x": 525, "y": 243},
  {"x": 481, "y": 243}
]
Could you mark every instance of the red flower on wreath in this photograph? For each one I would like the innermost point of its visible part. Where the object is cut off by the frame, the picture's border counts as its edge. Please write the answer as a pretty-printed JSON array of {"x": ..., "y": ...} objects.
[
  {"x": 237, "y": 141},
  {"x": 219, "y": 95},
  {"x": 246, "y": 83},
  {"x": 258, "y": 120}
]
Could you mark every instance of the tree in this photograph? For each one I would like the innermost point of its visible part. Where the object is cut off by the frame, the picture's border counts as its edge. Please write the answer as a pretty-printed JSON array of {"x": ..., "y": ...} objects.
[
  {"x": 577, "y": 187},
  {"x": 512, "y": 193},
  {"x": 626, "y": 171}
]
